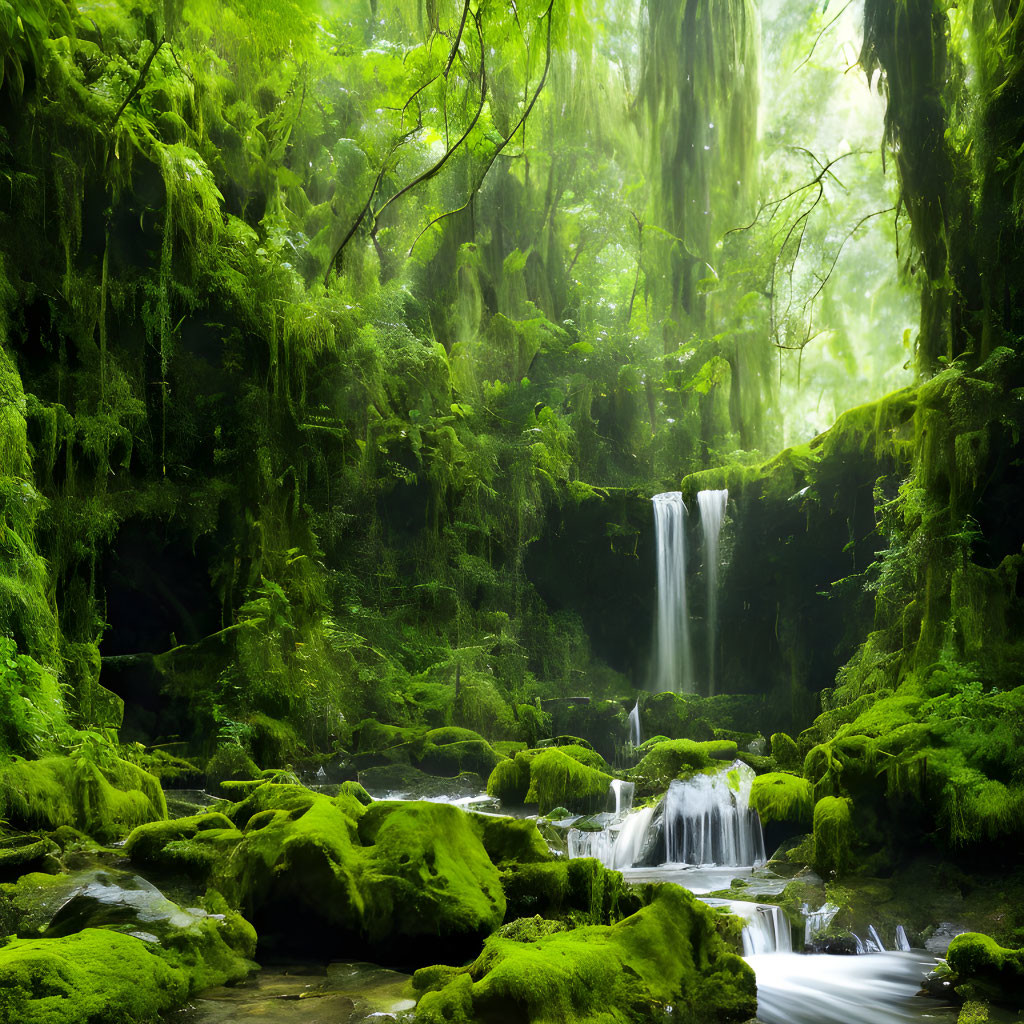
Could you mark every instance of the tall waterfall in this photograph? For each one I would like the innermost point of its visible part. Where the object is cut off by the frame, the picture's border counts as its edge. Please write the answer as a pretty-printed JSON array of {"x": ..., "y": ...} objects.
[
  {"x": 673, "y": 669},
  {"x": 712, "y": 511}
]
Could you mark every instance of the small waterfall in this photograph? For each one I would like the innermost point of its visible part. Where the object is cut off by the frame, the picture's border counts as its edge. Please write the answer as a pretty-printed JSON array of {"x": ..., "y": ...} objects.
[
  {"x": 712, "y": 506},
  {"x": 902, "y": 942},
  {"x": 673, "y": 667},
  {"x": 630, "y": 842},
  {"x": 591, "y": 844},
  {"x": 623, "y": 795},
  {"x": 635, "y": 737},
  {"x": 708, "y": 820},
  {"x": 816, "y": 921},
  {"x": 765, "y": 927}
]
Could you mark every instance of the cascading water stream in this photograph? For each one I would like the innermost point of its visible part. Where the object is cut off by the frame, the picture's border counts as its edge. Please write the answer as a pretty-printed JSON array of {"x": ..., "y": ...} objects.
[
  {"x": 635, "y": 737},
  {"x": 673, "y": 669},
  {"x": 712, "y": 505},
  {"x": 708, "y": 820}
]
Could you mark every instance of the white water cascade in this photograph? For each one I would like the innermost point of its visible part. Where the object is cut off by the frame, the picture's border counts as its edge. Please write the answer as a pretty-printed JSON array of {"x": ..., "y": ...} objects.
[
  {"x": 708, "y": 820},
  {"x": 673, "y": 669},
  {"x": 765, "y": 927},
  {"x": 712, "y": 505},
  {"x": 623, "y": 794},
  {"x": 635, "y": 737}
]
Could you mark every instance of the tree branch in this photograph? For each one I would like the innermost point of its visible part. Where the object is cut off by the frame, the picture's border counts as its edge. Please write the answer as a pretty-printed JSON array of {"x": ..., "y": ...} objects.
[{"x": 504, "y": 142}]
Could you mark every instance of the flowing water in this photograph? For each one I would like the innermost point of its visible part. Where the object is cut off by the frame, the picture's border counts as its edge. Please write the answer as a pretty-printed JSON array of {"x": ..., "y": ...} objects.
[
  {"x": 635, "y": 737},
  {"x": 673, "y": 668},
  {"x": 707, "y": 835},
  {"x": 712, "y": 505},
  {"x": 877, "y": 989}
]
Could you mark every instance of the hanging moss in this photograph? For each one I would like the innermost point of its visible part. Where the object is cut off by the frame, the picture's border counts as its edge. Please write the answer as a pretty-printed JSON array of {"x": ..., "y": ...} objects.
[{"x": 833, "y": 836}]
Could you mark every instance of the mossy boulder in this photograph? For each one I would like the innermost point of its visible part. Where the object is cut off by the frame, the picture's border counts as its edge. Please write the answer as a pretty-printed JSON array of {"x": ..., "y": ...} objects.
[
  {"x": 665, "y": 958},
  {"x": 93, "y": 977},
  {"x": 332, "y": 874},
  {"x": 552, "y": 777},
  {"x": 84, "y": 937},
  {"x": 581, "y": 890},
  {"x": 105, "y": 797},
  {"x": 511, "y": 840},
  {"x": 672, "y": 759},
  {"x": 984, "y": 969},
  {"x": 833, "y": 836},
  {"x": 559, "y": 779},
  {"x": 782, "y": 796},
  {"x": 192, "y": 846}
]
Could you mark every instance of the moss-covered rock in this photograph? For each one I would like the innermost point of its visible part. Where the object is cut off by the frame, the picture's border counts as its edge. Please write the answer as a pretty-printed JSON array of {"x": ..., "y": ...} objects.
[
  {"x": 510, "y": 781},
  {"x": 558, "y": 779},
  {"x": 94, "y": 977},
  {"x": 673, "y": 759},
  {"x": 781, "y": 796},
  {"x": 105, "y": 798},
  {"x": 666, "y": 955},
  {"x": 192, "y": 846},
  {"x": 581, "y": 890},
  {"x": 833, "y": 835},
  {"x": 169, "y": 951},
  {"x": 984, "y": 969},
  {"x": 509, "y": 840},
  {"x": 330, "y": 873},
  {"x": 552, "y": 777}
]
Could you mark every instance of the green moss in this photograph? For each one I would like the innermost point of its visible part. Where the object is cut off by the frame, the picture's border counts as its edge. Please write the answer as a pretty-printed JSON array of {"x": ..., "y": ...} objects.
[
  {"x": 581, "y": 890},
  {"x": 193, "y": 846},
  {"x": 511, "y": 839},
  {"x": 983, "y": 968},
  {"x": 355, "y": 790},
  {"x": 833, "y": 836},
  {"x": 973, "y": 1012},
  {"x": 322, "y": 870},
  {"x": 781, "y": 796},
  {"x": 673, "y": 759},
  {"x": 666, "y": 954},
  {"x": 230, "y": 763},
  {"x": 428, "y": 873},
  {"x": 104, "y": 799},
  {"x": 557, "y": 779},
  {"x": 510, "y": 781},
  {"x": 785, "y": 751},
  {"x": 91, "y": 977}
]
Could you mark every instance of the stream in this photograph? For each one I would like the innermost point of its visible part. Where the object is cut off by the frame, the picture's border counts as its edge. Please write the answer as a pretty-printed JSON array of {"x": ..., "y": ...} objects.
[{"x": 703, "y": 836}]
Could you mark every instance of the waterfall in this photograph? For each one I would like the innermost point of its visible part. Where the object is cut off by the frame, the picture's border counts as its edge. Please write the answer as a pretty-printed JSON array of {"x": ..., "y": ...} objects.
[
  {"x": 902, "y": 942},
  {"x": 712, "y": 511},
  {"x": 708, "y": 820},
  {"x": 816, "y": 921},
  {"x": 673, "y": 668},
  {"x": 635, "y": 737},
  {"x": 623, "y": 794},
  {"x": 765, "y": 927}
]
